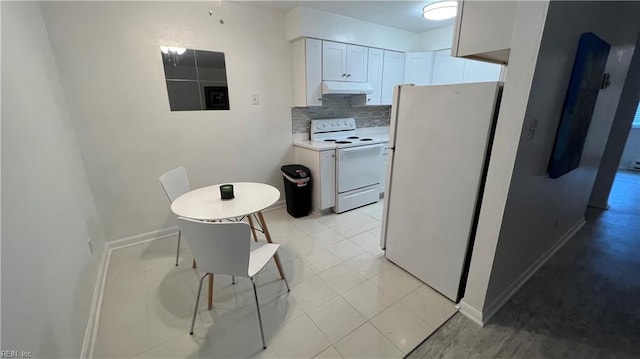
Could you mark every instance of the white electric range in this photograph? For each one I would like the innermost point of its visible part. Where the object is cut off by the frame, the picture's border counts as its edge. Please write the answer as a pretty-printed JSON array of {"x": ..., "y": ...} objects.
[{"x": 349, "y": 169}]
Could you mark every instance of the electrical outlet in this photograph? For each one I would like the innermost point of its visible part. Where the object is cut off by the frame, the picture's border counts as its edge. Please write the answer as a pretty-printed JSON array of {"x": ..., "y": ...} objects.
[
  {"x": 90, "y": 245},
  {"x": 255, "y": 100}
]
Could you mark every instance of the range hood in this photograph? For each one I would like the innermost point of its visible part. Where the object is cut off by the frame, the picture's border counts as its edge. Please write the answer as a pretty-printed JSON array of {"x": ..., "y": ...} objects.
[{"x": 345, "y": 88}]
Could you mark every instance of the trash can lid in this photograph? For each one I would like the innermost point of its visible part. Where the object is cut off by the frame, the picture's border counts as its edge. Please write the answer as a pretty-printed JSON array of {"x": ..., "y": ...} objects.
[{"x": 296, "y": 171}]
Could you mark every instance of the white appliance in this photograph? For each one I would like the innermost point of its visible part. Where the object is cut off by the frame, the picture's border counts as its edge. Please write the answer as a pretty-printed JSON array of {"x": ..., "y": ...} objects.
[
  {"x": 359, "y": 162},
  {"x": 345, "y": 88},
  {"x": 439, "y": 139}
]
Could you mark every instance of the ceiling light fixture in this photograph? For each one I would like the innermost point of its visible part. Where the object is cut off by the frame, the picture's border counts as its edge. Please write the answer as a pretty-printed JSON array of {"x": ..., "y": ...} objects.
[{"x": 440, "y": 10}]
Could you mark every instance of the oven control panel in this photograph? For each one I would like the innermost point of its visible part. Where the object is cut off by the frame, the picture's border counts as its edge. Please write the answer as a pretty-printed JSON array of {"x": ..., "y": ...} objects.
[{"x": 333, "y": 125}]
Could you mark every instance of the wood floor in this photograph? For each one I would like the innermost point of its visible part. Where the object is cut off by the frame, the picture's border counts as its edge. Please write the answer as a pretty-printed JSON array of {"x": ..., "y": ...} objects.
[{"x": 584, "y": 303}]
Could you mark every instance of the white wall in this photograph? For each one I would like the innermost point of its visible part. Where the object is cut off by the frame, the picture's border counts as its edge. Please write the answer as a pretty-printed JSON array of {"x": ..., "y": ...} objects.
[
  {"x": 48, "y": 274},
  {"x": 539, "y": 211},
  {"x": 111, "y": 69},
  {"x": 306, "y": 22},
  {"x": 620, "y": 132},
  {"x": 530, "y": 18},
  {"x": 631, "y": 148},
  {"x": 435, "y": 40}
]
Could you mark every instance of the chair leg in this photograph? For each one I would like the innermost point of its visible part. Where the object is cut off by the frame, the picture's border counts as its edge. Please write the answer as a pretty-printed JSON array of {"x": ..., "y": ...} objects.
[
  {"x": 253, "y": 228},
  {"x": 195, "y": 310},
  {"x": 193, "y": 264},
  {"x": 255, "y": 293},
  {"x": 233, "y": 279},
  {"x": 284, "y": 278},
  {"x": 178, "y": 251}
]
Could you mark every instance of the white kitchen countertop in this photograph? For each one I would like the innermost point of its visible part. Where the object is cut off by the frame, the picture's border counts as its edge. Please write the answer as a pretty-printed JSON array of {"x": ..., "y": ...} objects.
[{"x": 314, "y": 145}]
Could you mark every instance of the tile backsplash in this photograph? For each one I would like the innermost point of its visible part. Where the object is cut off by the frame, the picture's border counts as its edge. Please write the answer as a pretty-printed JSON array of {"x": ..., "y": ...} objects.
[{"x": 337, "y": 107}]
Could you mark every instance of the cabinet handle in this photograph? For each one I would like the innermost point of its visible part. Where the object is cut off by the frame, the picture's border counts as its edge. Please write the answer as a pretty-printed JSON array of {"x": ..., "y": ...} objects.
[
  {"x": 368, "y": 100},
  {"x": 343, "y": 75},
  {"x": 320, "y": 99},
  {"x": 349, "y": 75}
]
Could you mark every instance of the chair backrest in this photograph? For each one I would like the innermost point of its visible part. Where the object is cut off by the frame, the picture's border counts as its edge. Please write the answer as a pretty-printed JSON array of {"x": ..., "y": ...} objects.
[
  {"x": 218, "y": 247},
  {"x": 175, "y": 183}
]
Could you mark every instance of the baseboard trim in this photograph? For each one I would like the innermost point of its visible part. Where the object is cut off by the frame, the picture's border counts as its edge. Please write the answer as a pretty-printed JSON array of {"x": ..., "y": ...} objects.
[
  {"x": 91, "y": 331},
  {"x": 279, "y": 204},
  {"x": 470, "y": 312},
  {"x": 493, "y": 308},
  {"x": 143, "y": 237}
]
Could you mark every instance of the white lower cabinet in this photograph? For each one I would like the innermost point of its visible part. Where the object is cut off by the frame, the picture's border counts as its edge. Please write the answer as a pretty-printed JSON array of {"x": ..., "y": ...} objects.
[{"x": 322, "y": 165}]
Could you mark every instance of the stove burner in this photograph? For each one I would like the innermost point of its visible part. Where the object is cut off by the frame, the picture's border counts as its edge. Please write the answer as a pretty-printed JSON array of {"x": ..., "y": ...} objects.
[
  {"x": 343, "y": 142},
  {"x": 352, "y": 138},
  {"x": 330, "y": 140},
  {"x": 366, "y": 139}
]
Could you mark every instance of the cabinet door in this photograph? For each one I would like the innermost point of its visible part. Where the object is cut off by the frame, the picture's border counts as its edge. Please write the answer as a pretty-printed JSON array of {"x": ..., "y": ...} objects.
[
  {"x": 446, "y": 69},
  {"x": 479, "y": 71},
  {"x": 484, "y": 29},
  {"x": 374, "y": 75},
  {"x": 334, "y": 61},
  {"x": 357, "y": 63},
  {"x": 314, "y": 72},
  {"x": 418, "y": 68},
  {"x": 392, "y": 74},
  {"x": 307, "y": 72},
  {"x": 327, "y": 179}
]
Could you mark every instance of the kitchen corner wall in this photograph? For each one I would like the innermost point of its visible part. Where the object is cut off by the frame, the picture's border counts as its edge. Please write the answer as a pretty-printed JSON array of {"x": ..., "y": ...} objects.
[
  {"x": 339, "y": 107},
  {"x": 108, "y": 56}
]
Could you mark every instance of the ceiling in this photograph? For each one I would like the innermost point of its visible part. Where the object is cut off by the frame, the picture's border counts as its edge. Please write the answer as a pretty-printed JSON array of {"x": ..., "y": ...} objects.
[{"x": 401, "y": 14}]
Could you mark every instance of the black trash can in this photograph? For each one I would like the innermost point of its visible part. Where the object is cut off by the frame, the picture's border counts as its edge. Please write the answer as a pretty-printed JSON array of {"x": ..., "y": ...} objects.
[{"x": 297, "y": 189}]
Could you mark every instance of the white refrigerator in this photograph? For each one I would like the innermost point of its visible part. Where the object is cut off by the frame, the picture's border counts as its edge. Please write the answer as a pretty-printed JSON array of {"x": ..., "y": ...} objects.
[{"x": 439, "y": 140}]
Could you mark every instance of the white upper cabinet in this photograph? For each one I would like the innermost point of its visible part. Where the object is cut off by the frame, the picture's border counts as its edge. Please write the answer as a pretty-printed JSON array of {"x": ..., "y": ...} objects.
[
  {"x": 374, "y": 75},
  {"x": 446, "y": 69},
  {"x": 307, "y": 72},
  {"x": 450, "y": 70},
  {"x": 317, "y": 60},
  {"x": 392, "y": 74},
  {"x": 342, "y": 62},
  {"x": 418, "y": 68},
  {"x": 479, "y": 71},
  {"x": 484, "y": 29},
  {"x": 357, "y": 60},
  {"x": 334, "y": 61}
]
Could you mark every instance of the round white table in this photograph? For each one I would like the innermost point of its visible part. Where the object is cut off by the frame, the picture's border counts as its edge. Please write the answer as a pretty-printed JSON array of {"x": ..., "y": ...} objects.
[
  {"x": 205, "y": 203},
  {"x": 249, "y": 200}
]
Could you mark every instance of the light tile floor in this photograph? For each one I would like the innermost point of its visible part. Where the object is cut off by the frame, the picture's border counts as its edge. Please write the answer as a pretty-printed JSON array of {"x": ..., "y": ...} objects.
[{"x": 346, "y": 299}]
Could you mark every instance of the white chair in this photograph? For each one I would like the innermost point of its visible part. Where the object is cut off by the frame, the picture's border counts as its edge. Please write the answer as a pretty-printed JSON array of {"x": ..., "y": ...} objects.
[
  {"x": 175, "y": 183},
  {"x": 226, "y": 248}
]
